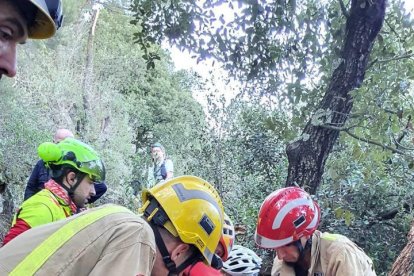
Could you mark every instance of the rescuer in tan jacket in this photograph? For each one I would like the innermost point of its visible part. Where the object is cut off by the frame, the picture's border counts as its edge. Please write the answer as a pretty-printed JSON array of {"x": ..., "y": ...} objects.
[
  {"x": 111, "y": 240},
  {"x": 331, "y": 254},
  {"x": 108, "y": 240},
  {"x": 287, "y": 223}
]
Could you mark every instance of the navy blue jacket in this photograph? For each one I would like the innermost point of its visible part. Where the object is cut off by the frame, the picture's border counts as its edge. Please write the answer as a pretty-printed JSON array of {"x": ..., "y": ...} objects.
[{"x": 40, "y": 175}]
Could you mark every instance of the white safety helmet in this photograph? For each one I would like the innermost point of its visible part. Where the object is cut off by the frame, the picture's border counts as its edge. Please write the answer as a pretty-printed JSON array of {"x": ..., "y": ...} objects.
[{"x": 242, "y": 261}]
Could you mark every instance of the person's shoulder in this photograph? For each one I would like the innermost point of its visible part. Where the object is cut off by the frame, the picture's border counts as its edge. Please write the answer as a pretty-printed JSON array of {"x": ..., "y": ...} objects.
[
  {"x": 44, "y": 196},
  {"x": 168, "y": 162},
  {"x": 332, "y": 237},
  {"x": 118, "y": 216},
  {"x": 41, "y": 208},
  {"x": 115, "y": 212},
  {"x": 40, "y": 162},
  {"x": 334, "y": 244},
  {"x": 44, "y": 199},
  {"x": 339, "y": 250}
]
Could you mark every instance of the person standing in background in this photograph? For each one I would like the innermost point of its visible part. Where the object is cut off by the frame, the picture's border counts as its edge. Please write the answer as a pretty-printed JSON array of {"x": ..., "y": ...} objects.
[{"x": 162, "y": 167}]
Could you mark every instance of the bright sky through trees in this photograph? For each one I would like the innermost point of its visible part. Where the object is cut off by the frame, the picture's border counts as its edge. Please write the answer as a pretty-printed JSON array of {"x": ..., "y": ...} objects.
[{"x": 215, "y": 75}]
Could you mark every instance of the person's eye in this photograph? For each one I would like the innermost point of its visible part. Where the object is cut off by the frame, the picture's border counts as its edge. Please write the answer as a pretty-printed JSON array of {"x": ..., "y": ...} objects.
[{"x": 5, "y": 34}]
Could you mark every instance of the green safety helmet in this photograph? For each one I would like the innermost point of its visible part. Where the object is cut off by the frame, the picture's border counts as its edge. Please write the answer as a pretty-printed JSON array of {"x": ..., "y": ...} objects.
[{"x": 74, "y": 153}]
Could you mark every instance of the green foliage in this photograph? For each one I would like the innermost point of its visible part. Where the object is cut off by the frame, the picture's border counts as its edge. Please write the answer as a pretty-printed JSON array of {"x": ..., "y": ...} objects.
[
  {"x": 19, "y": 139},
  {"x": 118, "y": 103},
  {"x": 368, "y": 198},
  {"x": 242, "y": 155},
  {"x": 279, "y": 28},
  {"x": 286, "y": 49}
]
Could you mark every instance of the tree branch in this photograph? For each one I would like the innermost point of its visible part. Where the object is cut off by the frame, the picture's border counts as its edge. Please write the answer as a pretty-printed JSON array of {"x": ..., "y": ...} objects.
[
  {"x": 343, "y": 9},
  {"x": 392, "y": 29},
  {"x": 389, "y": 111},
  {"x": 407, "y": 55},
  {"x": 404, "y": 56},
  {"x": 346, "y": 130},
  {"x": 401, "y": 146},
  {"x": 393, "y": 150},
  {"x": 408, "y": 127}
]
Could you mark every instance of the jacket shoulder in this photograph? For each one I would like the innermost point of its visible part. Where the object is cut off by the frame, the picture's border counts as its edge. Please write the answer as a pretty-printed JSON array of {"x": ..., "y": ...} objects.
[
  {"x": 341, "y": 256},
  {"x": 40, "y": 209}
]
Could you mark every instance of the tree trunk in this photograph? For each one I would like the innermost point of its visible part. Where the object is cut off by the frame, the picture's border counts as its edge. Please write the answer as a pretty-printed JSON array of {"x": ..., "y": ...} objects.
[
  {"x": 87, "y": 84},
  {"x": 307, "y": 155},
  {"x": 403, "y": 265}
]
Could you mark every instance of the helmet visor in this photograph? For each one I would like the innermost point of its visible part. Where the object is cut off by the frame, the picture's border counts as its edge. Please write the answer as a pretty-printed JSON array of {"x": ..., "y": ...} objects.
[{"x": 95, "y": 169}]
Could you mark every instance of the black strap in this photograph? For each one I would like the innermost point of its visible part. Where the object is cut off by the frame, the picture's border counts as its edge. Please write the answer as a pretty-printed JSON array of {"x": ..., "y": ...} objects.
[
  {"x": 302, "y": 250},
  {"x": 161, "y": 169},
  {"x": 192, "y": 260},
  {"x": 71, "y": 191},
  {"x": 79, "y": 177},
  {"x": 169, "y": 264},
  {"x": 160, "y": 217},
  {"x": 299, "y": 246},
  {"x": 216, "y": 262}
]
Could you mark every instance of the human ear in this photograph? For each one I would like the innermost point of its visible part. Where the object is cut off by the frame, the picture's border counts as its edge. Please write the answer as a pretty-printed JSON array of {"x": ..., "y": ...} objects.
[
  {"x": 70, "y": 178},
  {"x": 179, "y": 252}
]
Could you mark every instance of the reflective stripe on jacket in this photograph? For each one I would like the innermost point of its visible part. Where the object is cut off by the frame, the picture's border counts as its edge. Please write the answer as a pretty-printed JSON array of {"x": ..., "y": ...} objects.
[{"x": 331, "y": 255}]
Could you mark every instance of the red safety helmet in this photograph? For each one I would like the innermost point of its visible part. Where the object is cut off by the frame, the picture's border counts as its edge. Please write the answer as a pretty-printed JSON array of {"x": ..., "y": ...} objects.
[{"x": 285, "y": 216}]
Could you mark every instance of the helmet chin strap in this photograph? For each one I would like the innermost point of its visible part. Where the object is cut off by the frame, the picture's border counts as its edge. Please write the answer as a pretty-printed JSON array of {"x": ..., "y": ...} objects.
[
  {"x": 302, "y": 250},
  {"x": 170, "y": 264},
  {"x": 71, "y": 191}
]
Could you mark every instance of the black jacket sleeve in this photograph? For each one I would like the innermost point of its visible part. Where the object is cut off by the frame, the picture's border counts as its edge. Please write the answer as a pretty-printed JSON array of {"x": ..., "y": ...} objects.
[
  {"x": 100, "y": 189},
  {"x": 37, "y": 179}
]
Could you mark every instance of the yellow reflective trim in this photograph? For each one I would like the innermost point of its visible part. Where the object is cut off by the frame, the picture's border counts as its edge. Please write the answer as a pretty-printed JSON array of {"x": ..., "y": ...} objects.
[
  {"x": 33, "y": 261},
  {"x": 330, "y": 237}
]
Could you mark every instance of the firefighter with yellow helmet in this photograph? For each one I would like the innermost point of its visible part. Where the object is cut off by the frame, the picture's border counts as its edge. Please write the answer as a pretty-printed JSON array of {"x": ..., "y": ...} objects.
[{"x": 181, "y": 223}]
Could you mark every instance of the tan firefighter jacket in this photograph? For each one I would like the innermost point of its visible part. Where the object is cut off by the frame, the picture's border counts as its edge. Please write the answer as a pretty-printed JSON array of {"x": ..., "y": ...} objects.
[
  {"x": 109, "y": 240},
  {"x": 331, "y": 255}
]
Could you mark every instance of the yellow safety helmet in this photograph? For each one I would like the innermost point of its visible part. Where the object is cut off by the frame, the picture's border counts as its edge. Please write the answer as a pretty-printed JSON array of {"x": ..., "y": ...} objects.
[{"x": 194, "y": 210}]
